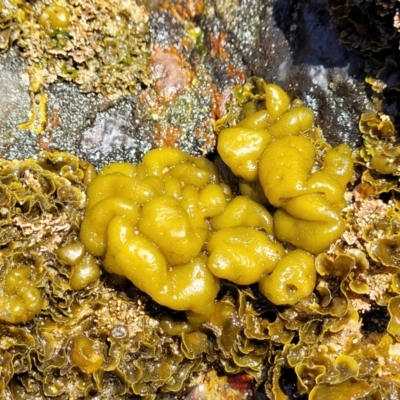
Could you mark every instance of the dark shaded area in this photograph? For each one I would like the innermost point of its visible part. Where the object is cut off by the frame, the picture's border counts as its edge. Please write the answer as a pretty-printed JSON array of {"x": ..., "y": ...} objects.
[
  {"x": 388, "y": 72},
  {"x": 321, "y": 71},
  {"x": 375, "y": 320},
  {"x": 288, "y": 384},
  {"x": 366, "y": 26},
  {"x": 371, "y": 28},
  {"x": 312, "y": 40}
]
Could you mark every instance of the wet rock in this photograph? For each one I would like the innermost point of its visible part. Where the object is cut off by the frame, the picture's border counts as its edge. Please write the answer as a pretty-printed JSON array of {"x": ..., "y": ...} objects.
[
  {"x": 14, "y": 101},
  {"x": 211, "y": 49}
]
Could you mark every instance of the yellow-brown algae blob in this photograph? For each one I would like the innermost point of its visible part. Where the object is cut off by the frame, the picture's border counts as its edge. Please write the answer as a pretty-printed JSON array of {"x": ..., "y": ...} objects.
[
  {"x": 338, "y": 162},
  {"x": 276, "y": 100},
  {"x": 242, "y": 255},
  {"x": 93, "y": 231},
  {"x": 193, "y": 287},
  {"x": 292, "y": 122},
  {"x": 151, "y": 223},
  {"x": 54, "y": 19},
  {"x": 118, "y": 185},
  {"x": 190, "y": 174},
  {"x": 311, "y": 218},
  {"x": 185, "y": 213},
  {"x": 241, "y": 148},
  {"x": 189, "y": 286},
  {"x": 20, "y": 300},
  {"x": 84, "y": 273},
  {"x": 286, "y": 166},
  {"x": 309, "y": 222},
  {"x": 123, "y": 168},
  {"x": 208, "y": 166},
  {"x": 292, "y": 279},
  {"x": 242, "y": 211},
  {"x": 310, "y": 203},
  {"x": 86, "y": 354},
  {"x": 257, "y": 120},
  {"x": 135, "y": 256},
  {"x": 90, "y": 172},
  {"x": 84, "y": 269},
  {"x": 212, "y": 200},
  {"x": 71, "y": 253},
  {"x": 159, "y": 160},
  {"x": 165, "y": 222}
]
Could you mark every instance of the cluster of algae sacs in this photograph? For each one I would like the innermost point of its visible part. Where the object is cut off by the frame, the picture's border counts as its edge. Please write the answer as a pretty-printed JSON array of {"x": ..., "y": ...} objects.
[
  {"x": 185, "y": 237},
  {"x": 175, "y": 230}
]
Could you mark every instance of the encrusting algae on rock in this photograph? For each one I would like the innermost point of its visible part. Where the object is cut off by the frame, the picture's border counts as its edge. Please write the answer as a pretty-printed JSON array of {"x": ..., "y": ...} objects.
[
  {"x": 101, "y": 46},
  {"x": 41, "y": 203}
]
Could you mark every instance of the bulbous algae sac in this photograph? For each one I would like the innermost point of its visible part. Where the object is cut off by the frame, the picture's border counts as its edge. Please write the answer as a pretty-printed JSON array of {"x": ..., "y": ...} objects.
[
  {"x": 285, "y": 171},
  {"x": 177, "y": 240},
  {"x": 94, "y": 226},
  {"x": 165, "y": 222},
  {"x": 292, "y": 279},
  {"x": 277, "y": 102},
  {"x": 292, "y": 122},
  {"x": 72, "y": 253},
  {"x": 84, "y": 269},
  {"x": 159, "y": 160},
  {"x": 310, "y": 203},
  {"x": 284, "y": 168},
  {"x": 54, "y": 19},
  {"x": 241, "y": 148},
  {"x": 308, "y": 222},
  {"x": 150, "y": 224},
  {"x": 276, "y": 154},
  {"x": 21, "y": 300},
  {"x": 86, "y": 354},
  {"x": 190, "y": 286},
  {"x": 242, "y": 211},
  {"x": 242, "y": 255},
  {"x": 84, "y": 273},
  {"x": 118, "y": 185}
]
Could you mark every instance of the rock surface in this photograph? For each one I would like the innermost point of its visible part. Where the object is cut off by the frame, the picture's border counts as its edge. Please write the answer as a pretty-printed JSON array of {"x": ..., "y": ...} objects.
[{"x": 198, "y": 56}]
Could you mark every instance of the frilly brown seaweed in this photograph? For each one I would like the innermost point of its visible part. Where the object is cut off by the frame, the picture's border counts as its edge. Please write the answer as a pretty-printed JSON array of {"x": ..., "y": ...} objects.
[
  {"x": 330, "y": 341},
  {"x": 99, "y": 338},
  {"x": 366, "y": 26},
  {"x": 357, "y": 290}
]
